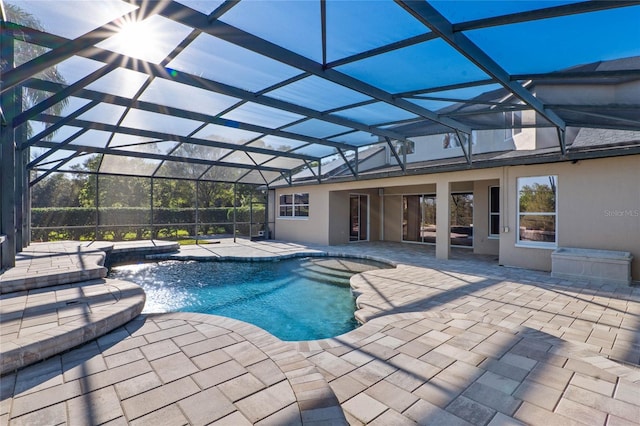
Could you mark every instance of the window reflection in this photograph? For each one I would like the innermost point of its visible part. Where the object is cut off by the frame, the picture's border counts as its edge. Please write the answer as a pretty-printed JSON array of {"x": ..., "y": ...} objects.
[
  {"x": 294, "y": 205},
  {"x": 537, "y": 205},
  {"x": 419, "y": 218}
]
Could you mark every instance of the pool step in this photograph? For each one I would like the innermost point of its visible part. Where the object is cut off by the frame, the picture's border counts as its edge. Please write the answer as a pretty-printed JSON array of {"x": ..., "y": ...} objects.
[
  {"x": 319, "y": 275},
  {"x": 328, "y": 270},
  {"x": 56, "y": 263},
  {"x": 43, "y": 265}
]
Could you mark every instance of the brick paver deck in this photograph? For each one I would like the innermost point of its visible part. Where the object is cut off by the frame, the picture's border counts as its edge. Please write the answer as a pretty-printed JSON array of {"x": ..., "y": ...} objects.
[{"x": 463, "y": 341}]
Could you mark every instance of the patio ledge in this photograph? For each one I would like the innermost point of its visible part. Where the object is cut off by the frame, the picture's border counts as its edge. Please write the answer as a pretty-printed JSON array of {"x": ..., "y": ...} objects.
[{"x": 62, "y": 317}]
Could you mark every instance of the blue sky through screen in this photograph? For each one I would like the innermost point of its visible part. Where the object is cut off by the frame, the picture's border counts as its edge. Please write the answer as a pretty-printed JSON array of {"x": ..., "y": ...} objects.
[{"x": 269, "y": 99}]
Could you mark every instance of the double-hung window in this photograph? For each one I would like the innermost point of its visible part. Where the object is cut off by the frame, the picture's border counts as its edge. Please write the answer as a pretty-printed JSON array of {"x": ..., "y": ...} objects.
[
  {"x": 537, "y": 208},
  {"x": 294, "y": 205}
]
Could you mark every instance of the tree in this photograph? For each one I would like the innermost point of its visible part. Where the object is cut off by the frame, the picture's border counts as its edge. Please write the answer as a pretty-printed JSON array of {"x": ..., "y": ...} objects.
[
  {"x": 114, "y": 190},
  {"x": 215, "y": 194},
  {"x": 535, "y": 199},
  {"x": 57, "y": 190},
  {"x": 538, "y": 198},
  {"x": 461, "y": 209},
  {"x": 173, "y": 193},
  {"x": 25, "y": 52}
]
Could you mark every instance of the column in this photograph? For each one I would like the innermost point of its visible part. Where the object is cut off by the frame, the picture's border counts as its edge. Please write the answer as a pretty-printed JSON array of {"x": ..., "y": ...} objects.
[
  {"x": 443, "y": 218},
  {"x": 7, "y": 159}
]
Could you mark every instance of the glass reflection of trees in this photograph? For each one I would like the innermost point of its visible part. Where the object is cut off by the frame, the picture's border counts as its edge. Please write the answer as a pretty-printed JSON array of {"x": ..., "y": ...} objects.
[
  {"x": 537, "y": 197},
  {"x": 419, "y": 218},
  {"x": 461, "y": 230}
]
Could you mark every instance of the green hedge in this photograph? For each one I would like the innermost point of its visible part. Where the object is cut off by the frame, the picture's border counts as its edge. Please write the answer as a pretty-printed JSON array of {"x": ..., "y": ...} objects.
[
  {"x": 55, "y": 216},
  {"x": 123, "y": 223}
]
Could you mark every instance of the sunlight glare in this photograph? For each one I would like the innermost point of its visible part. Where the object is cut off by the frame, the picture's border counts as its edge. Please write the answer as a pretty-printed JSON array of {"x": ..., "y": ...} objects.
[{"x": 136, "y": 38}]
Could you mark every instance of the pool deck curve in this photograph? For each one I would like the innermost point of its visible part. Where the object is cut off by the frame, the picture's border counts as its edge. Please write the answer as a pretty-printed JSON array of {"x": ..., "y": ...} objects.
[{"x": 463, "y": 341}]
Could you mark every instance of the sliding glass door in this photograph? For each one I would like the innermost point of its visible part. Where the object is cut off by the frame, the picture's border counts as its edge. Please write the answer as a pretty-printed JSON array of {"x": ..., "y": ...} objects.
[
  {"x": 419, "y": 218},
  {"x": 461, "y": 231},
  {"x": 358, "y": 217}
]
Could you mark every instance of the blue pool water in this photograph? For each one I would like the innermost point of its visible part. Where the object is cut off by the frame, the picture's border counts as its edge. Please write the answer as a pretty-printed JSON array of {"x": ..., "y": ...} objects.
[{"x": 294, "y": 299}]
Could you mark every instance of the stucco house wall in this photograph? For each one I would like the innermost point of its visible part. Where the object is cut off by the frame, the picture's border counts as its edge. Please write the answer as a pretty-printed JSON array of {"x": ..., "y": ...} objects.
[
  {"x": 482, "y": 242},
  {"x": 393, "y": 217},
  {"x": 311, "y": 230},
  {"x": 598, "y": 207},
  {"x": 339, "y": 208},
  {"x": 431, "y": 147}
]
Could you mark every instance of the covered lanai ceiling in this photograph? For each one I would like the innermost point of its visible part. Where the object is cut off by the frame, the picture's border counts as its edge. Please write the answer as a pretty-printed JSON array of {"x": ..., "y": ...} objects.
[{"x": 251, "y": 91}]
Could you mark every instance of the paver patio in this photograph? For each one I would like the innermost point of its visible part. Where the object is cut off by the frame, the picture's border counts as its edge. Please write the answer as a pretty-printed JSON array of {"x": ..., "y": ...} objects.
[{"x": 463, "y": 341}]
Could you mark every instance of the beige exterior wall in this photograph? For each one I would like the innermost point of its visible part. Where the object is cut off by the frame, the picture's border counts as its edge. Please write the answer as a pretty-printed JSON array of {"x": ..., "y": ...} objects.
[
  {"x": 339, "y": 208},
  {"x": 598, "y": 207},
  {"x": 375, "y": 216},
  {"x": 411, "y": 189},
  {"x": 339, "y": 223},
  {"x": 393, "y": 218},
  {"x": 313, "y": 229},
  {"x": 482, "y": 243},
  {"x": 318, "y": 228}
]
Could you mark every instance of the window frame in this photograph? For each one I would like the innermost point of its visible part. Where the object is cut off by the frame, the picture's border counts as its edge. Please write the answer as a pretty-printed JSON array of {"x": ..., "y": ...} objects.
[
  {"x": 517, "y": 122},
  {"x": 537, "y": 244},
  {"x": 513, "y": 124},
  {"x": 455, "y": 142},
  {"x": 493, "y": 214},
  {"x": 295, "y": 206}
]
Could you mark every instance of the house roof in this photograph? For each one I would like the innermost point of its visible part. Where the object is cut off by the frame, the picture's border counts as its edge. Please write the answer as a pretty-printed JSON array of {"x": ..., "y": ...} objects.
[
  {"x": 589, "y": 145},
  {"x": 253, "y": 92}
]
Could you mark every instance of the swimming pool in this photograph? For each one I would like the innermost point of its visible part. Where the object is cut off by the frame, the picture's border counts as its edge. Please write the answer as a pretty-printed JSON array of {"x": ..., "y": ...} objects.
[{"x": 293, "y": 299}]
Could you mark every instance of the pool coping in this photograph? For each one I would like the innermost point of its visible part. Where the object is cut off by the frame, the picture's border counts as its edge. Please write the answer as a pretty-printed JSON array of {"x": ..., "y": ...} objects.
[{"x": 271, "y": 258}]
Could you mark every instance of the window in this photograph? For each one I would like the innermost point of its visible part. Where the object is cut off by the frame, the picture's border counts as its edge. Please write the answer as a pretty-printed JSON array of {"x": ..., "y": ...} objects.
[
  {"x": 512, "y": 124},
  {"x": 294, "y": 205},
  {"x": 404, "y": 147},
  {"x": 494, "y": 211},
  {"x": 517, "y": 122},
  {"x": 451, "y": 140},
  {"x": 537, "y": 207}
]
